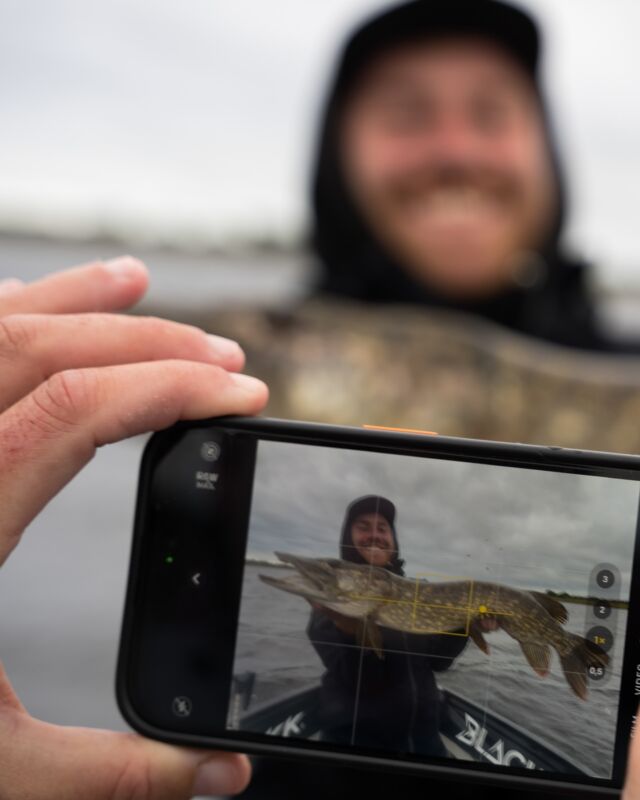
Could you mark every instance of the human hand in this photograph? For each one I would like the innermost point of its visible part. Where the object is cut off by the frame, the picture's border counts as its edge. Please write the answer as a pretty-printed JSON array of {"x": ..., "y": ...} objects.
[
  {"x": 631, "y": 790},
  {"x": 74, "y": 378},
  {"x": 487, "y": 623},
  {"x": 347, "y": 625}
]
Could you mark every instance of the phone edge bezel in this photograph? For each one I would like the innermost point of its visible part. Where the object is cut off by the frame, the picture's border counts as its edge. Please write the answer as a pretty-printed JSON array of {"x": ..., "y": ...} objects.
[{"x": 537, "y": 456}]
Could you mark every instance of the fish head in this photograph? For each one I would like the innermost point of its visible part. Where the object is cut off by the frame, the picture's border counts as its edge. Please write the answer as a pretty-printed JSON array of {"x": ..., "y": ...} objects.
[
  {"x": 315, "y": 579},
  {"x": 334, "y": 580},
  {"x": 360, "y": 581}
]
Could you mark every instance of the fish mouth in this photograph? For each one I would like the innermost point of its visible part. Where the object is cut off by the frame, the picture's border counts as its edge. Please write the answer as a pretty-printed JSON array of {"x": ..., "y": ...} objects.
[{"x": 318, "y": 572}]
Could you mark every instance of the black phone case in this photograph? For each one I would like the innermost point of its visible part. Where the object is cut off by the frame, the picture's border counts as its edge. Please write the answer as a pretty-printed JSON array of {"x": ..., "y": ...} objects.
[{"x": 397, "y": 441}]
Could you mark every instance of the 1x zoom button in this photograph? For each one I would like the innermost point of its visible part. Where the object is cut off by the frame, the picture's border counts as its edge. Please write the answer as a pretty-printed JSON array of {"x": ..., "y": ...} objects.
[{"x": 601, "y": 636}]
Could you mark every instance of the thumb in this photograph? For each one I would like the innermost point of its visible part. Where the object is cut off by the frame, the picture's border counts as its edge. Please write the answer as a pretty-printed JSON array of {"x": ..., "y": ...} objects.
[
  {"x": 104, "y": 765},
  {"x": 631, "y": 789}
]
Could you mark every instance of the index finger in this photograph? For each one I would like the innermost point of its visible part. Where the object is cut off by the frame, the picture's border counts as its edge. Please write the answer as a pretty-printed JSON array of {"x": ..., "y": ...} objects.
[
  {"x": 50, "y": 434},
  {"x": 99, "y": 286}
]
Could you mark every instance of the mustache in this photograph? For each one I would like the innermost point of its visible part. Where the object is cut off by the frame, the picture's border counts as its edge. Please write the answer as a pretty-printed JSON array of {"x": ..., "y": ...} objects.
[
  {"x": 502, "y": 184},
  {"x": 377, "y": 541}
]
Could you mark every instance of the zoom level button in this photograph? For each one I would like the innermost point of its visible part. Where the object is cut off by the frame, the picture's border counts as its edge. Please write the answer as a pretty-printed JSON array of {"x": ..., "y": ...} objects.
[
  {"x": 596, "y": 673},
  {"x": 605, "y": 579},
  {"x": 602, "y": 609},
  {"x": 601, "y": 636}
]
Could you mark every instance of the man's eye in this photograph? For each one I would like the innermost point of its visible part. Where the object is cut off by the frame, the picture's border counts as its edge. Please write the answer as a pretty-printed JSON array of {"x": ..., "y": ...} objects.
[
  {"x": 403, "y": 112},
  {"x": 490, "y": 116},
  {"x": 407, "y": 118}
]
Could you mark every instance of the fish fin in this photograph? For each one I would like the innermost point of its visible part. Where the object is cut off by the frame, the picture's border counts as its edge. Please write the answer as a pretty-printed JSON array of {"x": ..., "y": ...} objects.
[
  {"x": 476, "y": 635},
  {"x": 538, "y": 656},
  {"x": 551, "y": 606},
  {"x": 576, "y": 663},
  {"x": 369, "y": 635}
]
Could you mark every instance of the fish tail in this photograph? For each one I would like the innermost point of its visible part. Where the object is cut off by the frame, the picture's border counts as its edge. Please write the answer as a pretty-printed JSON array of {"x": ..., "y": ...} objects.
[{"x": 578, "y": 660}]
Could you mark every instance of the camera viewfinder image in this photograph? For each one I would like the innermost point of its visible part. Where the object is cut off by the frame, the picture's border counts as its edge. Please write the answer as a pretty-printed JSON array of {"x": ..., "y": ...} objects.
[{"x": 435, "y": 609}]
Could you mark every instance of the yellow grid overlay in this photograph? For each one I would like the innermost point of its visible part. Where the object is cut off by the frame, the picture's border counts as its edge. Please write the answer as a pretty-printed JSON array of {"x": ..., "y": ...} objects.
[{"x": 415, "y": 604}]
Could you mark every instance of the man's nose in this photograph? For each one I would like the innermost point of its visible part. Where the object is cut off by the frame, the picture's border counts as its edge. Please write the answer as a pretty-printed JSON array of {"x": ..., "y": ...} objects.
[{"x": 453, "y": 139}]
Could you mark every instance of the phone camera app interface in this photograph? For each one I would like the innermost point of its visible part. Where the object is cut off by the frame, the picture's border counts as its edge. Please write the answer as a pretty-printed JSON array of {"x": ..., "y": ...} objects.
[{"x": 429, "y": 608}]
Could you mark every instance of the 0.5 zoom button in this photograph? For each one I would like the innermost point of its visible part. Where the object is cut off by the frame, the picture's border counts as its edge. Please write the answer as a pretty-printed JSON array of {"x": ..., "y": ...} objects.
[{"x": 596, "y": 673}]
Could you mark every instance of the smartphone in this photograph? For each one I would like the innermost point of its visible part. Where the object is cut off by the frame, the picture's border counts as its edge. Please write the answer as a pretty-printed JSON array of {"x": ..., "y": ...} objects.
[{"x": 386, "y": 598}]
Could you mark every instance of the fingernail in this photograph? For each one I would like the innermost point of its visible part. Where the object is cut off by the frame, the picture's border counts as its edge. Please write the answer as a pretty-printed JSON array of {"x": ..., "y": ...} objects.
[
  {"x": 125, "y": 266},
  {"x": 8, "y": 285},
  {"x": 248, "y": 382},
  {"x": 223, "y": 347},
  {"x": 214, "y": 778}
]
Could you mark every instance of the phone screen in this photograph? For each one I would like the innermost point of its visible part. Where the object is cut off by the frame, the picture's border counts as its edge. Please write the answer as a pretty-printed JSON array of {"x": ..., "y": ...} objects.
[
  {"x": 462, "y": 605},
  {"x": 430, "y": 608}
]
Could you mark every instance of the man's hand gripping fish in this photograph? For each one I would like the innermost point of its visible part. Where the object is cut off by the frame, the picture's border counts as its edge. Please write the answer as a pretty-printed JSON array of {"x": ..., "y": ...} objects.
[{"x": 378, "y": 598}]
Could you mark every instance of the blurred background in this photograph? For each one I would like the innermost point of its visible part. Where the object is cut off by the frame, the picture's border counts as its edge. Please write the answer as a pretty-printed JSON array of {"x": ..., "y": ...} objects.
[
  {"x": 182, "y": 133},
  {"x": 185, "y": 134}
]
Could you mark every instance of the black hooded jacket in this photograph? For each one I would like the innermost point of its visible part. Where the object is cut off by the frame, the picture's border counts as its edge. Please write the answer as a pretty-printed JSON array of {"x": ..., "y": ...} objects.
[
  {"x": 354, "y": 265},
  {"x": 394, "y": 700},
  {"x": 557, "y": 304}
]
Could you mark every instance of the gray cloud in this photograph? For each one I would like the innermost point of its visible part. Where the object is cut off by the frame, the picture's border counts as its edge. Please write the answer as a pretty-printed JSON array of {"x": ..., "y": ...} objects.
[
  {"x": 206, "y": 115},
  {"x": 516, "y": 526}
]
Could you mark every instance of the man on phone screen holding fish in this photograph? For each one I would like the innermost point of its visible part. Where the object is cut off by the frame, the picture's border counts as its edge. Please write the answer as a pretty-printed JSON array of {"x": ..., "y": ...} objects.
[
  {"x": 368, "y": 700},
  {"x": 381, "y": 635}
]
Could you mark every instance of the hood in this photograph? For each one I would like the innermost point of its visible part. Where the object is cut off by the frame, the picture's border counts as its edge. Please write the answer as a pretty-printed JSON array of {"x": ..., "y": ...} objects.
[
  {"x": 556, "y": 305},
  {"x": 369, "y": 504}
]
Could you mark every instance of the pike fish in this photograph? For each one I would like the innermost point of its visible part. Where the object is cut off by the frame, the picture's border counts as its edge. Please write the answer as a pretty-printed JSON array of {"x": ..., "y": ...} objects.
[{"x": 376, "y": 598}]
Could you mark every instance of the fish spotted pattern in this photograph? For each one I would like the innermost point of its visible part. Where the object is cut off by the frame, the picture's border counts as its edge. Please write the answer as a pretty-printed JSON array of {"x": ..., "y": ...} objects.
[{"x": 377, "y": 598}]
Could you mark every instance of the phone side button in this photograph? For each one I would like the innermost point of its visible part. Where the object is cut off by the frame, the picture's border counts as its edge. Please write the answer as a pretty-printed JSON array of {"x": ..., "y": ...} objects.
[{"x": 400, "y": 430}]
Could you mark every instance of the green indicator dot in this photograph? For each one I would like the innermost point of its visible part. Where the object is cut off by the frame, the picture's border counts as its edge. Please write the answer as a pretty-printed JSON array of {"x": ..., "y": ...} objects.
[{"x": 168, "y": 560}]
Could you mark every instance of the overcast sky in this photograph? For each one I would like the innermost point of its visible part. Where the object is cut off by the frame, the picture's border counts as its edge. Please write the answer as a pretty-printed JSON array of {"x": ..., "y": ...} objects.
[
  {"x": 524, "y": 528},
  {"x": 194, "y": 120}
]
